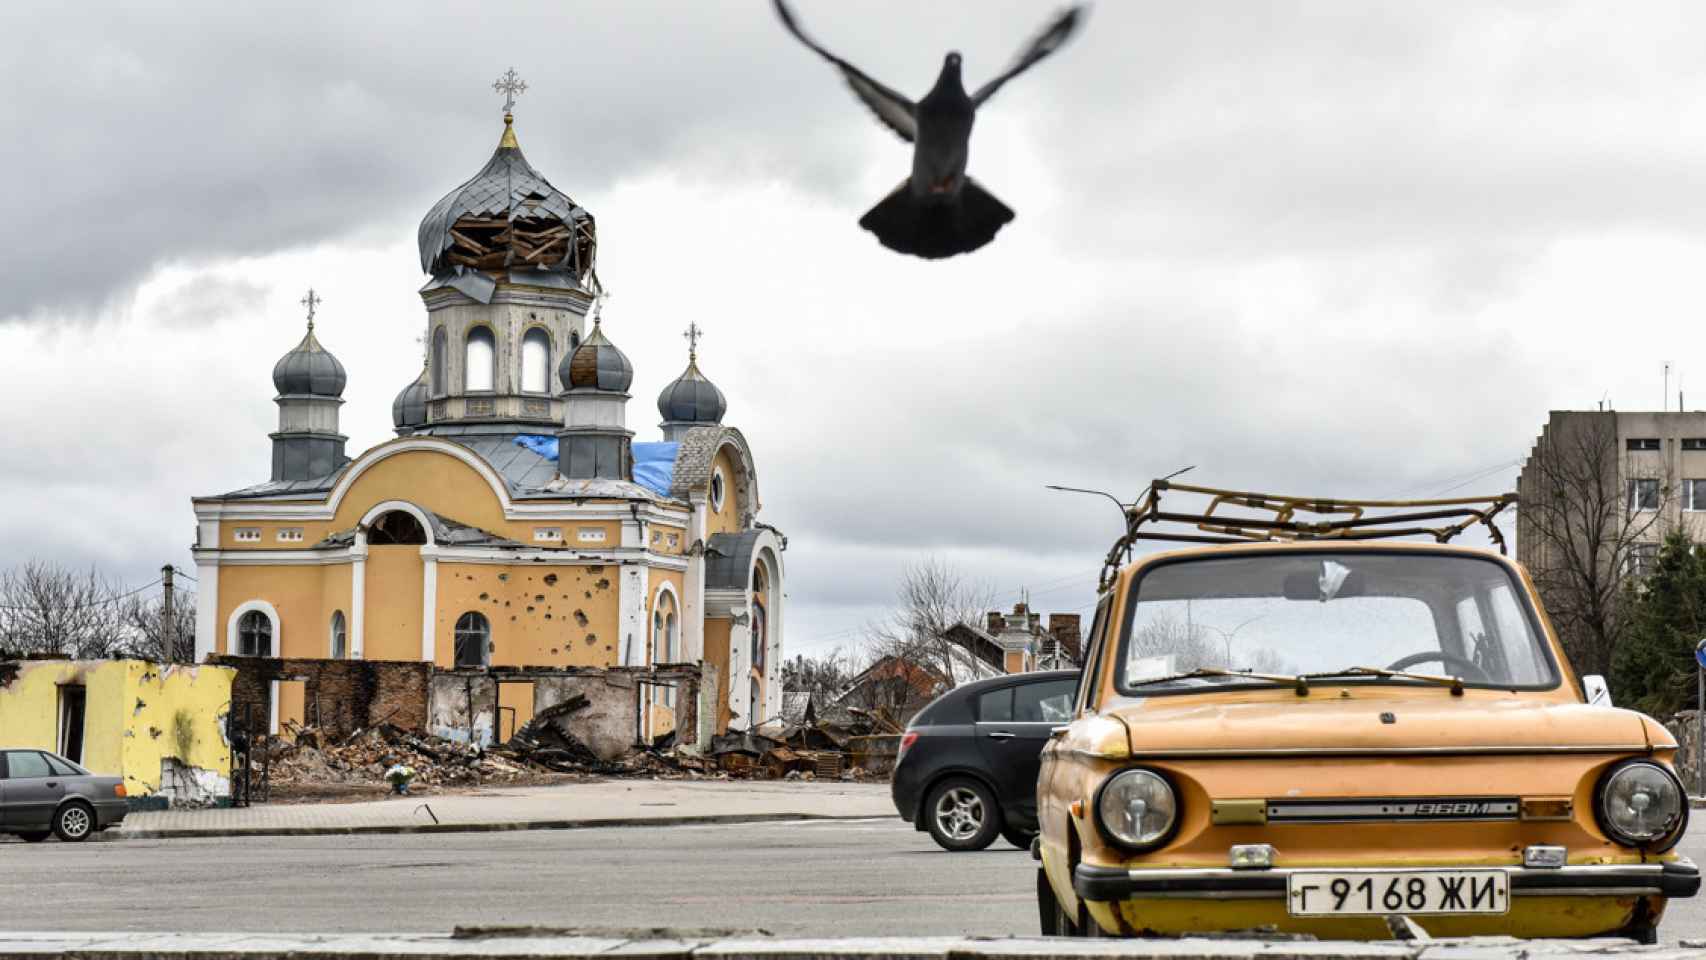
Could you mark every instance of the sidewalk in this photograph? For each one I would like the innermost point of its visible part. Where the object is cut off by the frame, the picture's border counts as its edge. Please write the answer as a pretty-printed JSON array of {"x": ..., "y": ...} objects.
[{"x": 607, "y": 803}]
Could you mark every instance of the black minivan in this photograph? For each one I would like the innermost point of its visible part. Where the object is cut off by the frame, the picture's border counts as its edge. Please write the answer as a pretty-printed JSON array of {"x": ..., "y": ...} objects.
[{"x": 968, "y": 762}]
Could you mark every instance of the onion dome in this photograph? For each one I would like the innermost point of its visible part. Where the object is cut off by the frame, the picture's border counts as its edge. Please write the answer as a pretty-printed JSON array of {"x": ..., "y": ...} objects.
[
  {"x": 596, "y": 364},
  {"x": 691, "y": 398},
  {"x": 508, "y": 218},
  {"x": 409, "y": 410},
  {"x": 310, "y": 369}
]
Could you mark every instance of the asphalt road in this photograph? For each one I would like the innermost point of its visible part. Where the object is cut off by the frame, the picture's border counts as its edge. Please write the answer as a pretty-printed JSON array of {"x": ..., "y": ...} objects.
[{"x": 812, "y": 879}]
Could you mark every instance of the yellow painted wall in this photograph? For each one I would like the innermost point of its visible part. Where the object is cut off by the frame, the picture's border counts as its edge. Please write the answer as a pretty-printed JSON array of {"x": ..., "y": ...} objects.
[
  {"x": 427, "y": 478},
  {"x": 134, "y": 716},
  {"x": 726, "y": 520},
  {"x": 670, "y": 541},
  {"x": 395, "y": 579},
  {"x": 517, "y": 697},
  {"x": 717, "y": 652},
  {"x": 540, "y": 615},
  {"x": 296, "y": 592}
]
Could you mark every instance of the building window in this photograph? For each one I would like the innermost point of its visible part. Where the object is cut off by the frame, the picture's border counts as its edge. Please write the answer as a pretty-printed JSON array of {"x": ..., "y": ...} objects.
[
  {"x": 590, "y": 535},
  {"x": 756, "y": 705},
  {"x": 289, "y": 534},
  {"x": 340, "y": 636},
  {"x": 666, "y": 641},
  {"x": 246, "y": 534},
  {"x": 473, "y": 640},
  {"x": 717, "y": 491},
  {"x": 1644, "y": 493},
  {"x": 479, "y": 371},
  {"x": 1694, "y": 494},
  {"x": 254, "y": 635},
  {"x": 440, "y": 363},
  {"x": 396, "y": 527},
  {"x": 1694, "y": 443},
  {"x": 1643, "y": 557},
  {"x": 760, "y": 616},
  {"x": 1642, "y": 443},
  {"x": 548, "y": 534},
  {"x": 536, "y": 362}
]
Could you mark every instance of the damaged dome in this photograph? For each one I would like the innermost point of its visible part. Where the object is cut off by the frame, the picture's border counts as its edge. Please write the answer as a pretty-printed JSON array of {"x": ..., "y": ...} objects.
[{"x": 509, "y": 219}]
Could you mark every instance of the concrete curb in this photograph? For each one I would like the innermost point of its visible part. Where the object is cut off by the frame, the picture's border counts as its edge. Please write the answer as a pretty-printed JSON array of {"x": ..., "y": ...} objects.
[
  {"x": 686, "y": 945},
  {"x": 473, "y": 827}
]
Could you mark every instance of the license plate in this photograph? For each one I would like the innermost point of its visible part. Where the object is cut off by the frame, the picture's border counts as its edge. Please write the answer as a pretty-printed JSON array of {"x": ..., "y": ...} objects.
[{"x": 1383, "y": 892}]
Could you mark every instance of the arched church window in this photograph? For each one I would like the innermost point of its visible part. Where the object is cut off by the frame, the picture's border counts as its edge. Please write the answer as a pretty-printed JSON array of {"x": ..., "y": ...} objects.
[
  {"x": 666, "y": 641},
  {"x": 760, "y": 616},
  {"x": 479, "y": 371},
  {"x": 718, "y": 489},
  {"x": 254, "y": 635},
  {"x": 536, "y": 362},
  {"x": 398, "y": 526},
  {"x": 473, "y": 640},
  {"x": 340, "y": 636},
  {"x": 440, "y": 362}
]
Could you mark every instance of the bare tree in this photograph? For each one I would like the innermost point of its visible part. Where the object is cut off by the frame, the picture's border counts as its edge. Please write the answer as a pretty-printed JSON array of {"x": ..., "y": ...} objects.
[
  {"x": 826, "y": 675},
  {"x": 1590, "y": 517},
  {"x": 932, "y": 599},
  {"x": 145, "y": 628},
  {"x": 46, "y": 608}
]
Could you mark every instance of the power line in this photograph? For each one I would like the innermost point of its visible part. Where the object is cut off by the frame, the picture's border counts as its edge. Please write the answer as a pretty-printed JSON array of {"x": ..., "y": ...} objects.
[
  {"x": 181, "y": 573},
  {"x": 95, "y": 603}
]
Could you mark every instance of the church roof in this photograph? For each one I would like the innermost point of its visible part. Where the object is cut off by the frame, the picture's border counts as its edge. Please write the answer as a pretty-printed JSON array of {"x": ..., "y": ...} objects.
[
  {"x": 691, "y": 398},
  {"x": 309, "y": 369},
  {"x": 728, "y": 559},
  {"x": 507, "y": 218}
]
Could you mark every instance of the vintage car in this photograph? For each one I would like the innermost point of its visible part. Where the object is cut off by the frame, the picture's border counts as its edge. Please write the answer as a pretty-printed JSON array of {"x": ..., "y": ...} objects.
[{"x": 1329, "y": 734}]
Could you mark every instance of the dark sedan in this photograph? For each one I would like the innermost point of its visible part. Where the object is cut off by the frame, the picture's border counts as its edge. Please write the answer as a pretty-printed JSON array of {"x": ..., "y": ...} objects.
[
  {"x": 43, "y": 793},
  {"x": 968, "y": 762}
]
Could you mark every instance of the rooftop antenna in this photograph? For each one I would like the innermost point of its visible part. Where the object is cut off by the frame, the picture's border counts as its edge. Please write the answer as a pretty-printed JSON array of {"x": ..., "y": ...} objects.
[{"x": 1664, "y": 398}]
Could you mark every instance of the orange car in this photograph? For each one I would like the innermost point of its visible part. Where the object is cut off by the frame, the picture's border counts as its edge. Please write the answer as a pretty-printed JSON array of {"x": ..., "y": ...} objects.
[{"x": 1325, "y": 737}]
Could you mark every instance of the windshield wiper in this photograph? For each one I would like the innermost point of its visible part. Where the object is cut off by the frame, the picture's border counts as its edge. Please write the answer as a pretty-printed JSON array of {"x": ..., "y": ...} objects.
[
  {"x": 1455, "y": 683},
  {"x": 1298, "y": 683}
]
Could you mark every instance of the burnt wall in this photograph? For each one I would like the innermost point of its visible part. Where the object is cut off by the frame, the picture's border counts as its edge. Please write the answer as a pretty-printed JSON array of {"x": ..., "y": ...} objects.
[{"x": 339, "y": 696}]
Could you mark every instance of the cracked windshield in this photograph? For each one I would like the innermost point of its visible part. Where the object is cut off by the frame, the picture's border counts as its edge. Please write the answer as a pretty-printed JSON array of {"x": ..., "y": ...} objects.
[{"x": 1335, "y": 614}]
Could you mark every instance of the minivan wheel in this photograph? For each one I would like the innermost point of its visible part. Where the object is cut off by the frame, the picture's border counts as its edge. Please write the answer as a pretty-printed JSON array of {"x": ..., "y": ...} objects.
[
  {"x": 961, "y": 814},
  {"x": 74, "y": 822}
]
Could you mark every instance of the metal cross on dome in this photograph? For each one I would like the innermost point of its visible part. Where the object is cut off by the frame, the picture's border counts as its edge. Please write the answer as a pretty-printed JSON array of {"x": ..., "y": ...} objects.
[
  {"x": 311, "y": 301},
  {"x": 692, "y": 335},
  {"x": 511, "y": 86}
]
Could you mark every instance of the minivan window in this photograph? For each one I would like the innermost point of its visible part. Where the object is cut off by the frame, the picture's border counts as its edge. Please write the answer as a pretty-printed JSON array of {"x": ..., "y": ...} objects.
[
  {"x": 1049, "y": 702},
  {"x": 26, "y": 763},
  {"x": 996, "y": 706}
]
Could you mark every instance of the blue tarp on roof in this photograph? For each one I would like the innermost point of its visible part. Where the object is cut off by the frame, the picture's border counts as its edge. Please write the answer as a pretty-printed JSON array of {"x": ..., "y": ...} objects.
[
  {"x": 654, "y": 463},
  {"x": 654, "y": 466}
]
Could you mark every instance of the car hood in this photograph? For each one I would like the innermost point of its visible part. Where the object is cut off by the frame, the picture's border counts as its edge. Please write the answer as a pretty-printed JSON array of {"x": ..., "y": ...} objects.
[{"x": 1329, "y": 721}]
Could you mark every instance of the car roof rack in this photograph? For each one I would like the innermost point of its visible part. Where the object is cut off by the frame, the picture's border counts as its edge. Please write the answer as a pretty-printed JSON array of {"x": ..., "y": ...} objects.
[{"x": 1287, "y": 519}]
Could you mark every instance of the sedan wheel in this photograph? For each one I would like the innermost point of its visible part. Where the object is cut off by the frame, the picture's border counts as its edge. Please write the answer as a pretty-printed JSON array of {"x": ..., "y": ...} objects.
[
  {"x": 962, "y": 815},
  {"x": 74, "y": 822}
]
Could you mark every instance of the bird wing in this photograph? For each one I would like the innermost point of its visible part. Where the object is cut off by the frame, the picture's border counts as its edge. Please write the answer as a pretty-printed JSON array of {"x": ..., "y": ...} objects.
[
  {"x": 894, "y": 110},
  {"x": 1044, "y": 44}
]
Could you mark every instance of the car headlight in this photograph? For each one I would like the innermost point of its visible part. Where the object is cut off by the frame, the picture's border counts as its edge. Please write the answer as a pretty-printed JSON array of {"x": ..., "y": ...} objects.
[
  {"x": 1641, "y": 804},
  {"x": 1137, "y": 808}
]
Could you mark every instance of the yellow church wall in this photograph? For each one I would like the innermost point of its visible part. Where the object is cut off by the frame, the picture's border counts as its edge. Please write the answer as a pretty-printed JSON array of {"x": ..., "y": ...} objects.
[
  {"x": 726, "y": 520},
  {"x": 717, "y": 652},
  {"x": 391, "y": 626},
  {"x": 427, "y": 478},
  {"x": 557, "y": 615},
  {"x": 134, "y": 715},
  {"x": 296, "y": 592},
  {"x": 667, "y": 540}
]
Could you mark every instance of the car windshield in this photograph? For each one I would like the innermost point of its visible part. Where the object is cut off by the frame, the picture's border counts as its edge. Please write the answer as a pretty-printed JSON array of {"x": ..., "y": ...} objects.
[{"x": 1207, "y": 624}]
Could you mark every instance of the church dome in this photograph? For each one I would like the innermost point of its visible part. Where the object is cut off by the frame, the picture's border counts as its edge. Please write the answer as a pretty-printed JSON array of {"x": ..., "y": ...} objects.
[
  {"x": 691, "y": 398},
  {"x": 508, "y": 219},
  {"x": 309, "y": 369},
  {"x": 409, "y": 410},
  {"x": 596, "y": 364}
]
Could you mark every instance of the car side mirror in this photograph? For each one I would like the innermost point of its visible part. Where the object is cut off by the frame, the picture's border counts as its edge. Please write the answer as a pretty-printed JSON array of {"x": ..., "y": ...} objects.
[{"x": 1597, "y": 690}]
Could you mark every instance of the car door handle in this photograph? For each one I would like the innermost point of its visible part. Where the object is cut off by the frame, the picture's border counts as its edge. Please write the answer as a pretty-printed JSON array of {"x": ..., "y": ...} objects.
[
  {"x": 53, "y": 783},
  {"x": 1000, "y": 735}
]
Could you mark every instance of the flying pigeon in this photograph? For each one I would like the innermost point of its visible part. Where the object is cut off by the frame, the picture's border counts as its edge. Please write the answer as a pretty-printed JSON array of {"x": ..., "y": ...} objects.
[{"x": 939, "y": 211}]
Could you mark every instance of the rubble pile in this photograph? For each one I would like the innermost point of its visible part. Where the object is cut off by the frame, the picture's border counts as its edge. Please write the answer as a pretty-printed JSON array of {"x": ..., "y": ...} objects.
[{"x": 305, "y": 758}]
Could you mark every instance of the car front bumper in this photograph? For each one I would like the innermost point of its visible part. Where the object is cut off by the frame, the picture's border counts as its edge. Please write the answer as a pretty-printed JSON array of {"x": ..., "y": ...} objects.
[{"x": 1676, "y": 878}]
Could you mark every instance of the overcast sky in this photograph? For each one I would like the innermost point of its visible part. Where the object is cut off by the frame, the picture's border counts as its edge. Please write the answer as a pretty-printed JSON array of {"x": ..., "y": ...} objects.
[{"x": 1352, "y": 249}]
